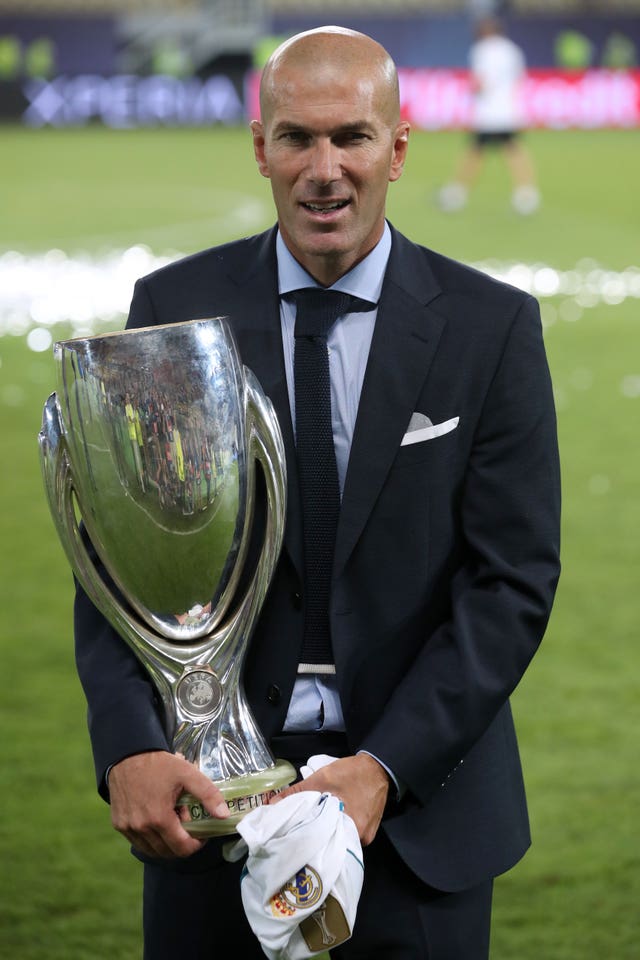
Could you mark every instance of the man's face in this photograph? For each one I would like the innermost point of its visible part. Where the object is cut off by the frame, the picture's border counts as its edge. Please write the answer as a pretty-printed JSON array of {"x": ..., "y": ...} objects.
[{"x": 329, "y": 147}]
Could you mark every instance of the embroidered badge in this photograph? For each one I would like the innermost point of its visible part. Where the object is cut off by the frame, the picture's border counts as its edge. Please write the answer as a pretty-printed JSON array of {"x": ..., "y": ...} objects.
[{"x": 301, "y": 892}]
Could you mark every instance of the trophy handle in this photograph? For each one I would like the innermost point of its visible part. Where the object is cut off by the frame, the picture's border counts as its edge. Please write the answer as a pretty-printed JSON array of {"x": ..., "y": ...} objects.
[
  {"x": 267, "y": 447},
  {"x": 59, "y": 488}
]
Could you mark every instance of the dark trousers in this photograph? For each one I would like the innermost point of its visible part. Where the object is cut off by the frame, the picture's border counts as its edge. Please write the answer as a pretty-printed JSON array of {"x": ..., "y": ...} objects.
[{"x": 194, "y": 906}]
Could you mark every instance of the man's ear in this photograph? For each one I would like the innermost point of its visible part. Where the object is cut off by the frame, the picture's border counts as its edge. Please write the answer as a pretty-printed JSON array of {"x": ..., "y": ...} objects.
[
  {"x": 257, "y": 131},
  {"x": 400, "y": 147}
]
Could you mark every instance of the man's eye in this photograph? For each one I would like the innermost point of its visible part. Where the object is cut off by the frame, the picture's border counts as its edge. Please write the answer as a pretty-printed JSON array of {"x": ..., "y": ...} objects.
[
  {"x": 294, "y": 136},
  {"x": 353, "y": 136}
]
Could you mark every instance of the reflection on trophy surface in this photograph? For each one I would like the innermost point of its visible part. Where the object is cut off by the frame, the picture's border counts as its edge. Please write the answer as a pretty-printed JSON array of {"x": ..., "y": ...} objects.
[{"x": 151, "y": 440}]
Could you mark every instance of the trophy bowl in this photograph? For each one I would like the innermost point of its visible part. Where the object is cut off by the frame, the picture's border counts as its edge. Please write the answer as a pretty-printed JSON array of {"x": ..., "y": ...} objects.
[{"x": 150, "y": 443}]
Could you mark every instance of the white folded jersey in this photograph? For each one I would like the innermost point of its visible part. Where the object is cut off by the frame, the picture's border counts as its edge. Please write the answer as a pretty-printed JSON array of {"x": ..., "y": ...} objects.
[{"x": 303, "y": 875}]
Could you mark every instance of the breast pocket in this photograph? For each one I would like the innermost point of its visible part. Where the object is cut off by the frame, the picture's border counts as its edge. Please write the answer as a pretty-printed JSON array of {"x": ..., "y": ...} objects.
[{"x": 438, "y": 447}]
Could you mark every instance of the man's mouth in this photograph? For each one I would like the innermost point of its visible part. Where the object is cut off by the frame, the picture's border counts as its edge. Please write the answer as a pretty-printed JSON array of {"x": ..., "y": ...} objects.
[{"x": 325, "y": 208}]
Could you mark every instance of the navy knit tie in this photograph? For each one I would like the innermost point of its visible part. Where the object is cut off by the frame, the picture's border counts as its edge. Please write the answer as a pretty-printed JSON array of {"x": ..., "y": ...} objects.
[{"x": 316, "y": 312}]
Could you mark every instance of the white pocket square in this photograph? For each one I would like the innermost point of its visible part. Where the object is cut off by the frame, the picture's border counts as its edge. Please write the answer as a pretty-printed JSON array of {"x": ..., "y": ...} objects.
[{"x": 421, "y": 428}]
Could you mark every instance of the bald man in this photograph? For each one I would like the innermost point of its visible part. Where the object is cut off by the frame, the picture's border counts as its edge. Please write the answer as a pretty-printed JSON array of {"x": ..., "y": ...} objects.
[{"x": 446, "y": 554}]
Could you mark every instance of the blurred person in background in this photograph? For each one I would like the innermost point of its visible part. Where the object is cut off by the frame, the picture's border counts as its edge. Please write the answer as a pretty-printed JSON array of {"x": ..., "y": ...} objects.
[
  {"x": 497, "y": 69},
  {"x": 446, "y": 554}
]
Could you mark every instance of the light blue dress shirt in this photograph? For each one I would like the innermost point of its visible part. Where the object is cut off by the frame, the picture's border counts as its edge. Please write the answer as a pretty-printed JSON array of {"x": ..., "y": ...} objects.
[{"x": 315, "y": 703}]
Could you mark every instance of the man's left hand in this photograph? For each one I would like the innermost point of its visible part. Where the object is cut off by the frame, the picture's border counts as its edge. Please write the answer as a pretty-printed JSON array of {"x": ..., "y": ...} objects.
[{"x": 360, "y": 782}]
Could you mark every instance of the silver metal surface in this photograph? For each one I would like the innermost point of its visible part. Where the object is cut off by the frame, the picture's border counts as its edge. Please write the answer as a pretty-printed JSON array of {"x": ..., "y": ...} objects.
[{"x": 151, "y": 440}]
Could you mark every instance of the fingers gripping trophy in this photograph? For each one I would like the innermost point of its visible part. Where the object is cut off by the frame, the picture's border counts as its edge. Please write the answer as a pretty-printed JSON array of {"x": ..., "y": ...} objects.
[{"x": 149, "y": 448}]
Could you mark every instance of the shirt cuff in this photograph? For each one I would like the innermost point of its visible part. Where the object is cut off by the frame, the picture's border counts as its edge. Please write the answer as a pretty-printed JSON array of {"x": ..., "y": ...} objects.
[{"x": 400, "y": 787}]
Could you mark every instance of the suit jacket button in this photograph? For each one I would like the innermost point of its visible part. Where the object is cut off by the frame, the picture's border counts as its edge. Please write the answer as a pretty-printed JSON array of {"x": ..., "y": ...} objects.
[
  {"x": 296, "y": 600},
  {"x": 273, "y": 693}
]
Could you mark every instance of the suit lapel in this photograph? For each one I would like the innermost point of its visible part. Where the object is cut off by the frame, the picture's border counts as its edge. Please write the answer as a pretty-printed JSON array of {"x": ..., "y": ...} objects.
[{"x": 403, "y": 346}]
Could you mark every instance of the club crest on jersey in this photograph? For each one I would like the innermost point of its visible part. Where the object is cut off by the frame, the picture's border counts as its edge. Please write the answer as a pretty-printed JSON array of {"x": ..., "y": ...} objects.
[{"x": 301, "y": 892}]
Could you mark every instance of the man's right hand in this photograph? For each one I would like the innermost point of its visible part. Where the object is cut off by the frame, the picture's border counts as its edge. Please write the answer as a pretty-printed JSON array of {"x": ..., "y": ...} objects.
[{"x": 144, "y": 791}]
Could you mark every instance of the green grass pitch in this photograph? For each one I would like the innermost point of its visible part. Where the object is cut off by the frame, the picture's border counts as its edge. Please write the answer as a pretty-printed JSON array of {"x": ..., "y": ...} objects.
[{"x": 69, "y": 890}]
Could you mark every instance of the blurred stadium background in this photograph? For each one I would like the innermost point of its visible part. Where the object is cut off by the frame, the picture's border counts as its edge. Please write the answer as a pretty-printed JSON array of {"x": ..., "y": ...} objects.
[{"x": 124, "y": 143}]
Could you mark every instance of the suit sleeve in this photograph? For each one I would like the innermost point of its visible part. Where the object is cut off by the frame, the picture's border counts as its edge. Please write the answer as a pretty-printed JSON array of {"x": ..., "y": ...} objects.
[
  {"x": 141, "y": 312},
  {"x": 501, "y": 590}
]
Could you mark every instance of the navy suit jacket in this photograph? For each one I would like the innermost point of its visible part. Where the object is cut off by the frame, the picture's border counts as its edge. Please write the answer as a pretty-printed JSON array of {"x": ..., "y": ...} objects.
[{"x": 447, "y": 553}]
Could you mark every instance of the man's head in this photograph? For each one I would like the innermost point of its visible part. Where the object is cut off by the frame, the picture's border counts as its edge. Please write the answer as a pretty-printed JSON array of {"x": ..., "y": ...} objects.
[{"x": 330, "y": 139}]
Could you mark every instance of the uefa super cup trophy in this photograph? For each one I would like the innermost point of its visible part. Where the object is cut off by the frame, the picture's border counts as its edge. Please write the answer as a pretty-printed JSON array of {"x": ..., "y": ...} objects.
[{"x": 151, "y": 442}]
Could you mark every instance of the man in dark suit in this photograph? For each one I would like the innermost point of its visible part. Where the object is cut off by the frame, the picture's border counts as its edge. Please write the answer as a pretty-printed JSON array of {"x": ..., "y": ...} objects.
[{"x": 446, "y": 553}]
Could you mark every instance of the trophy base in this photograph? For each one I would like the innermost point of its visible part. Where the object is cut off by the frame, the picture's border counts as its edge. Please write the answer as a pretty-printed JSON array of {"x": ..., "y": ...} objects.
[{"x": 243, "y": 794}]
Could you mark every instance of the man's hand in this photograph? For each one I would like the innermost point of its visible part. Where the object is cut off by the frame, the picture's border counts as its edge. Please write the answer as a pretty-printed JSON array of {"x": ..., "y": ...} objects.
[
  {"x": 360, "y": 782},
  {"x": 144, "y": 790}
]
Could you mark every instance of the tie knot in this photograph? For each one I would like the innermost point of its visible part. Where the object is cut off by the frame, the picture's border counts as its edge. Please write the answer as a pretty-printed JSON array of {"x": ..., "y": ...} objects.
[{"x": 317, "y": 310}]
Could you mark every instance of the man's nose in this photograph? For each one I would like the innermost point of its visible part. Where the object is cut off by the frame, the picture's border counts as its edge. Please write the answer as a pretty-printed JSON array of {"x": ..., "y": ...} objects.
[{"x": 325, "y": 162}]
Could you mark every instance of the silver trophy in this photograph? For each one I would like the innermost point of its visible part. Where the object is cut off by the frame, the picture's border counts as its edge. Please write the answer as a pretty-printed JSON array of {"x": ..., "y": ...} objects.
[{"x": 151, "y": 441}]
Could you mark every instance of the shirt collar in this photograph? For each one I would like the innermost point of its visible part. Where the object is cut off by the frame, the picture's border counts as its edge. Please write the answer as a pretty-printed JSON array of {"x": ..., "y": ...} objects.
[{"x": 364, "y": 280}]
